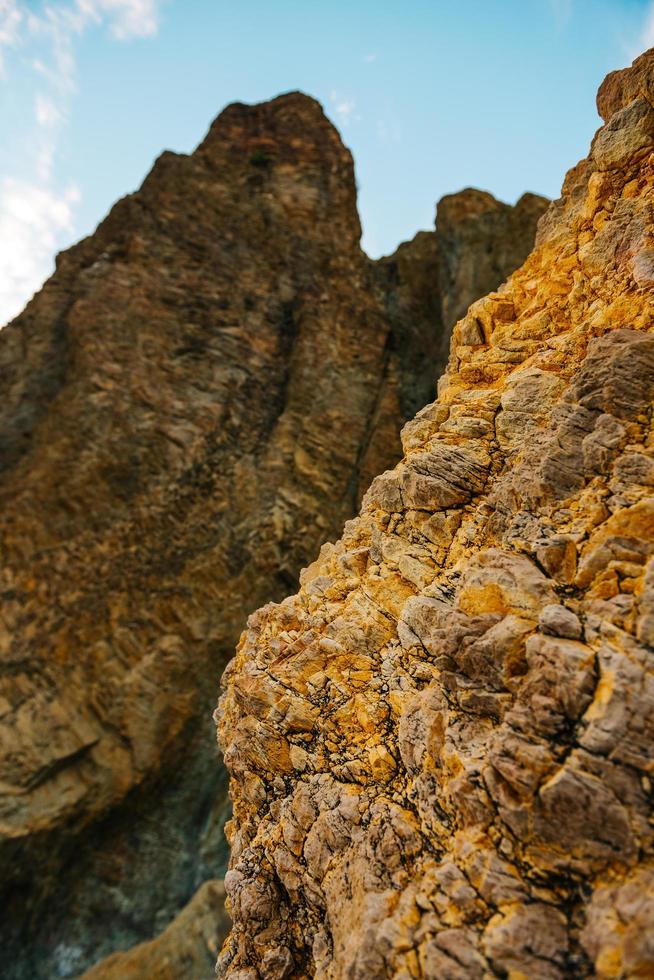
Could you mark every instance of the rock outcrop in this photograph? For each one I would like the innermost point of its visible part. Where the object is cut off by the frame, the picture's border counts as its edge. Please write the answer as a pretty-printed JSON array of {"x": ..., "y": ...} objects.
[
  {"x": 192, "y": 404},
  {"x": 480, "y": 241},
  {"x": 441, "y": 749}
]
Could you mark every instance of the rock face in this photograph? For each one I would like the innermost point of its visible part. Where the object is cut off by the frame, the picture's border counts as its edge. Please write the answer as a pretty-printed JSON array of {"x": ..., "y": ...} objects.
[
  {"x": 477, "y": 243},
  {"x": 441, "y": 749},
  {"x": 190, "y": 407},
  {"x": 481, "y": 241}
]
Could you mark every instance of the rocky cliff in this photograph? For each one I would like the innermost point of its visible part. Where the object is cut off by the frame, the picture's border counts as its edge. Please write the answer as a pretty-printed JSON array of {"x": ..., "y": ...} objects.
[
  {"x": 480, "y": 242},
  {"x": 441, "y": 748},
  {"x": 192, "y": 404}
]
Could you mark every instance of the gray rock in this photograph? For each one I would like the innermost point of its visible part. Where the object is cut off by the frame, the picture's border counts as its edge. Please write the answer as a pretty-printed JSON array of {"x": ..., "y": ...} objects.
[{"x": 560, "y": 621}]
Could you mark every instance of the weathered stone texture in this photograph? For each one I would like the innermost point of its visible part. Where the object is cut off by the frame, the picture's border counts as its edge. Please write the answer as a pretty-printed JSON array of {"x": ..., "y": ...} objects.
[
  {"x": 442, "y": 748},
  {"x": 190, "y": 407}
]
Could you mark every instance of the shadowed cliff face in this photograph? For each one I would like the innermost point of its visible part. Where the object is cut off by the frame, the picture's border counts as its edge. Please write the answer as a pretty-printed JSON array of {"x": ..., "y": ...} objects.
[
  {"x": 441, "y": 748},
  {"x": 192, "y": 404}
]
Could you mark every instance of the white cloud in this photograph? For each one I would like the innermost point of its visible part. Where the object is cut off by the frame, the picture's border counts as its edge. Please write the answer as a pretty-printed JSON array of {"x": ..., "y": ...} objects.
[
  {"x": 343, "y": 108},
  {"x": 32, "y": 220},
  {"x": 10, "y": 20},
  {"x": 127, "y": 18},
  {"x": 37, "y": 214},
  {"x": 369, "y": 58},
  {"x": 46, "y": 112}
]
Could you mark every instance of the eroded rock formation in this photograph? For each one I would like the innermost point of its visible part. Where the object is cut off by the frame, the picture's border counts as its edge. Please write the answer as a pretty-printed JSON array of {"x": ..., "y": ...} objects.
[
  {"x": 189, "y": 408},
  {"x": 441, "y": 748},
  {"x": 479, "y": 239}
]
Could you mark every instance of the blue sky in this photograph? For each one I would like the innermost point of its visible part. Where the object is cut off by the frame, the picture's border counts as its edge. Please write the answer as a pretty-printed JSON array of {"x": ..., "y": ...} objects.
[{"x": 430, "y": 95}]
